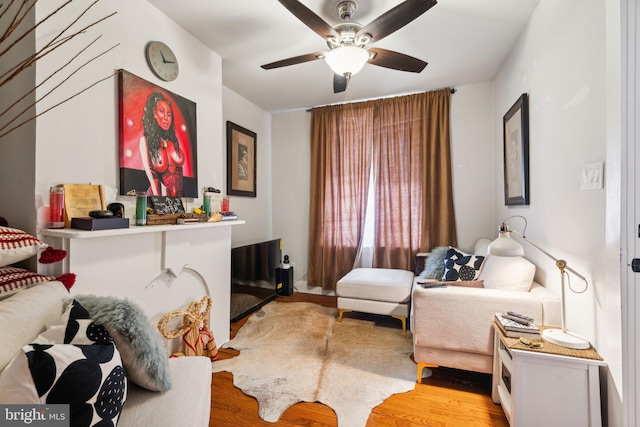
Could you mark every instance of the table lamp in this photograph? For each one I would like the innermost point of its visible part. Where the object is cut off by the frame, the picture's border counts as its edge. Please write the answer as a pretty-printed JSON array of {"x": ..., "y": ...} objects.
[{"x": 504, "y": 245}]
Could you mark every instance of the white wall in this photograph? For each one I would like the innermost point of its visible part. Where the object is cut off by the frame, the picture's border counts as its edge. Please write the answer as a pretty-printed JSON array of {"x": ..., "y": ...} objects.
[
  {"x": 560, "y": 62},
  {"x": 291, "y": 184},
  {"x": 77, "y": 142},
  {"x": 256, "y": 211},
  {"x": 17, "y": 161},
  {"x": 473, "y": 163}
]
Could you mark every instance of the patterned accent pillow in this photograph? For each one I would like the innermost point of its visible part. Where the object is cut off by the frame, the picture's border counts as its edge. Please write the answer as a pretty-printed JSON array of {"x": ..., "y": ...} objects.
[
  {"x": 13, "y": 280},
  {"x": 461, "y": 266},
  {"x": 75, "y": 327},
  {"x": 90, "y": 378},
  {"x": 16, "y": 245}
]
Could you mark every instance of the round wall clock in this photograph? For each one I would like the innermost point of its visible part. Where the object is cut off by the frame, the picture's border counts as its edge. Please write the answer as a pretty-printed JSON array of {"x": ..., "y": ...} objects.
[{"x": 162, "y": 61}]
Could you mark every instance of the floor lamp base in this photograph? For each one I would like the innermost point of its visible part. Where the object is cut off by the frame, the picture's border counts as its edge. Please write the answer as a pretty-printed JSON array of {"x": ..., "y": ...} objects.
[{"x": 565, "y": 339}]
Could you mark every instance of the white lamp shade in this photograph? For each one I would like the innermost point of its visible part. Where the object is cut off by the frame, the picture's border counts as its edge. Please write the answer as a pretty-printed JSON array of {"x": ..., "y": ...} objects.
[
  {"x": 504, "y": 245},
  {"x": 347, "y": 60}
]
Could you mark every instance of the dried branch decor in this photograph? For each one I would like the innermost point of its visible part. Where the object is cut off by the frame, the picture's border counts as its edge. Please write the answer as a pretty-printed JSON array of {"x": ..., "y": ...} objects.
[{"x": 12, "y": 32}]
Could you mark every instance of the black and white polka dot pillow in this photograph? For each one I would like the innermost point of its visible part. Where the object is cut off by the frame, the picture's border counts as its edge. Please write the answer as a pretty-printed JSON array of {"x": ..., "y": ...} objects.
[
  {"x": 75, "y": 327},
  {"x": 461, "y": 266},
  {"x": 90, "y": 378}
]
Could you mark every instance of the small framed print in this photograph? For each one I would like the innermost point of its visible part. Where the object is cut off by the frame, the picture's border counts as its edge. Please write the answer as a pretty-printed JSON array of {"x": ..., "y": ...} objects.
[
  {"x": 516, "y": 153},
  {"x": 241, "y": 161}
]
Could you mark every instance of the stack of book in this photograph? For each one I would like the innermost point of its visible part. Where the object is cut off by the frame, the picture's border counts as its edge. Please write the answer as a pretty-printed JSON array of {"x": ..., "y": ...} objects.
[
  {"x": 515, "y": 327},
  {"x": 229, "y": 216}
]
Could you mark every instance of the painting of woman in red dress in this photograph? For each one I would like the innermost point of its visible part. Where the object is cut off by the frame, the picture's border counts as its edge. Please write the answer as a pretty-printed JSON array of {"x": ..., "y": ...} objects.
[{"x": 157, "y": 140}]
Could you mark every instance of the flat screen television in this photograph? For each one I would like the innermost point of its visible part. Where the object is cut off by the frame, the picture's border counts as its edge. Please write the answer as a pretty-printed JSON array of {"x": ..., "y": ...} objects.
[{"x": 253, "y": 276}]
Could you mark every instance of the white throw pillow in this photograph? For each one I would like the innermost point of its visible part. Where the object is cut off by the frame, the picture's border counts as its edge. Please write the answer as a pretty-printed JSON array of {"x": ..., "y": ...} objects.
[
  {"x": 482, "y": 247},
  {"x": 510, "y": 273}
]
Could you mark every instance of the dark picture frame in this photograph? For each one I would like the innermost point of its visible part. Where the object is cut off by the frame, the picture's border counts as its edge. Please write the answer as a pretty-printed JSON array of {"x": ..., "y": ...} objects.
[
  {"x": 134, "y": 94},
  {"x": 241, "y": 161},
  {"x": 516, "y": 153}
]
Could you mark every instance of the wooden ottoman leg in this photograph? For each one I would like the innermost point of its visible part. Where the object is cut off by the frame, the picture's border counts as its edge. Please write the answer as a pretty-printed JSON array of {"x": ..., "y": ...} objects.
[
  {"x": 404, "y": 323},
  {"x": 421, "y": 366},
  {"x": 341, "y": 311}
]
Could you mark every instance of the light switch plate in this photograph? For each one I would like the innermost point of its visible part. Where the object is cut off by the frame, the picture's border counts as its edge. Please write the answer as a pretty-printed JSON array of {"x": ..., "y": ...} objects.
[{"x": 591, "y": 176}]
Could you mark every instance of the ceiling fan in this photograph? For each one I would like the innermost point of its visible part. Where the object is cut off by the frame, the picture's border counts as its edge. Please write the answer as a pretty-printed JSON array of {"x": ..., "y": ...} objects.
[{"x": 348, "y": 40}]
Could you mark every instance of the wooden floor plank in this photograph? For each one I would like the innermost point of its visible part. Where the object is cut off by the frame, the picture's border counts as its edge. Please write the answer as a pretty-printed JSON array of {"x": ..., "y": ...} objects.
[{"x": 448, "y": 398}]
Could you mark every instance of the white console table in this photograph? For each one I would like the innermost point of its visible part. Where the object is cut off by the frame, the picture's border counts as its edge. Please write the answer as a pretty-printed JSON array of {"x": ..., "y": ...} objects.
[
  {"x": 546, "y": 387},
  {"x": 161, "y": 267}
]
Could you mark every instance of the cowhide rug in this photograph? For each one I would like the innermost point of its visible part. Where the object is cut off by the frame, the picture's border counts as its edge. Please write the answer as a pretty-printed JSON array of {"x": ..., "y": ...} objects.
[{"x": 299, "y": 352}]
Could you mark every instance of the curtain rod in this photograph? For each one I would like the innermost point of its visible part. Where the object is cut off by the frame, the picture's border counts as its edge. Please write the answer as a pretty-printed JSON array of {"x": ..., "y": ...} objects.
[{"x": 452, "y": 90}]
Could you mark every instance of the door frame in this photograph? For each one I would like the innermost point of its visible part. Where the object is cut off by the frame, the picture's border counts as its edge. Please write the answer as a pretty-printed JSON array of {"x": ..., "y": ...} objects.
[{"x": 630, "y": 243}]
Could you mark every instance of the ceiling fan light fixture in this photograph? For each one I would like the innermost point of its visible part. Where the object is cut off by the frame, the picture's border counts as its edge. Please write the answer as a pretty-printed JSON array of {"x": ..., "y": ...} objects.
[{"x": 347, "y": 60}]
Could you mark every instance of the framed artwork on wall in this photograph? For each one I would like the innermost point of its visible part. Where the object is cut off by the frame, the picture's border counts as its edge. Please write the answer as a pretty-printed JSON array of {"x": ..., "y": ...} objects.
[
  {"x": 516, "y": 153},
  {"x": 158, "y": 140},
  {"x": 241, "y": 161}
]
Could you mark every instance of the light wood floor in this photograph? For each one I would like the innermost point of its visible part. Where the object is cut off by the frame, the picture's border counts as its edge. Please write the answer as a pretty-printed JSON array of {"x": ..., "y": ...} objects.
[{"x": 448, "y": 398}]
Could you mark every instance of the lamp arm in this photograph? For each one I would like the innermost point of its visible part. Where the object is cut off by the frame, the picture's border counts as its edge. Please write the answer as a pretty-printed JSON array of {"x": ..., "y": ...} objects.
[
  {"x": 562, "y": 264},
  {"x": 505, "y": 227}
]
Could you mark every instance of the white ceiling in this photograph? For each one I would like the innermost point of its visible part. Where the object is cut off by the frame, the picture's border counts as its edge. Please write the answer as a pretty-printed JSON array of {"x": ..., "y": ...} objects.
[{"x": 464, "y": 42}]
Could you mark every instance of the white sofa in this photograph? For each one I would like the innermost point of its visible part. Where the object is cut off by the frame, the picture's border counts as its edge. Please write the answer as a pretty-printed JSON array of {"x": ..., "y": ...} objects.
[
  {"x": 452, "y": 326},
  {"x": 26, "y": 314}
]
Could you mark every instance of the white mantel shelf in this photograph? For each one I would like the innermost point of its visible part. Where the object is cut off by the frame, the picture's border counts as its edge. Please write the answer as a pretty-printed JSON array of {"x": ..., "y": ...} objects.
[{"x": 74, "y": 233}]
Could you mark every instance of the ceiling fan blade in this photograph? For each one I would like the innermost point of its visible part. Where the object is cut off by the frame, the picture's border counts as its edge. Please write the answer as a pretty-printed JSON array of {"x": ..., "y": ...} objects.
[
  {"x": 310, "y": 19},
  {"x": 339, "y": 83},
  {"x": 294, "y": 60},
  {"x": 395, "y": 18},
  {"x": 396, "y": 61}
]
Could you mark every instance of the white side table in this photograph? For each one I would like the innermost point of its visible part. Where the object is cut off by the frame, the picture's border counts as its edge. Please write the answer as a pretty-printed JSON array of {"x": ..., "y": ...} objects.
[{"x": 551, "y": 386}]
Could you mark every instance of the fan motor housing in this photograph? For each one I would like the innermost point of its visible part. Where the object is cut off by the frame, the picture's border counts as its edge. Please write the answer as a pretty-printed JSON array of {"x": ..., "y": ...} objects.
[{"x": 346, "y": 9}]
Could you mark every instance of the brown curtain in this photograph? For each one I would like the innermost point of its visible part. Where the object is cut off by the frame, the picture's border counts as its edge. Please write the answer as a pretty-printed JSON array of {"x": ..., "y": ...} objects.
[
  {"x": 341, "y": 149},
  {"x": 406, "y": 139},
  {"x": 413, "y": 185}
]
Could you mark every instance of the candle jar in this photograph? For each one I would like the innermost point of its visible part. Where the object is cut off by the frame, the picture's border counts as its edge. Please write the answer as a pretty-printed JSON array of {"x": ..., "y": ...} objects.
[
  {"x": 206, "y": 203},
  {"x": 141, "y": 209},
  {"x": 56, "y": 207}
]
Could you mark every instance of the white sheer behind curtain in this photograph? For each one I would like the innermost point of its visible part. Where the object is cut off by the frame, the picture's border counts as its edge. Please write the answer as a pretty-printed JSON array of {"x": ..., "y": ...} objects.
[{"x": 364, "y": 259}]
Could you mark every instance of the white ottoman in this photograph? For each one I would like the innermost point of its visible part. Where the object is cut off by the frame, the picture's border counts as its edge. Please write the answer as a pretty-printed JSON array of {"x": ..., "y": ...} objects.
[{"x": 376, "y": 290}]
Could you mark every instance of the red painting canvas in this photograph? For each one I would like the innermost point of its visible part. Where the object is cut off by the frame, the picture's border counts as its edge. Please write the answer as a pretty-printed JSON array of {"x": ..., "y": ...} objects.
[{"x": 158, "y": 140}]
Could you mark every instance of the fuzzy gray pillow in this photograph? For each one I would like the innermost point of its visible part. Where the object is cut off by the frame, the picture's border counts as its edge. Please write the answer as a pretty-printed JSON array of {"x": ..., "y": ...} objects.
[
  {"x": 434, "y": 265},
  {"x": 145, "y": 359}
]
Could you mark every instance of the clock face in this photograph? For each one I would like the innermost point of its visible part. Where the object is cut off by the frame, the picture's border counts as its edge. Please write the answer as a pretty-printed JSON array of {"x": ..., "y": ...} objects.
[{"x": 162, "y": 61}]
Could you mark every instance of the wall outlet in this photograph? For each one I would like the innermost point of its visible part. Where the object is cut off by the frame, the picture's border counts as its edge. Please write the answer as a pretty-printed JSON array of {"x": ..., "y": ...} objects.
[{"x": 591, "y": 176}]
